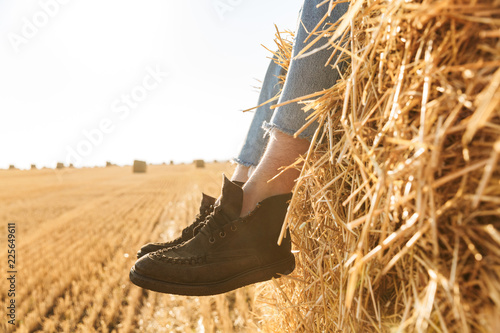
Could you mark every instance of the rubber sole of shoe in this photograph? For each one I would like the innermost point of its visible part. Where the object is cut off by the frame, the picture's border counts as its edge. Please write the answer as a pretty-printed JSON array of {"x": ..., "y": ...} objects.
[{"x": 263, "y": 273}]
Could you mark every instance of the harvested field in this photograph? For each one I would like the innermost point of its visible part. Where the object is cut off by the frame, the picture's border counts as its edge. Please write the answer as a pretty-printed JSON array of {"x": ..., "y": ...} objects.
[{"x": 77, "y": 234}]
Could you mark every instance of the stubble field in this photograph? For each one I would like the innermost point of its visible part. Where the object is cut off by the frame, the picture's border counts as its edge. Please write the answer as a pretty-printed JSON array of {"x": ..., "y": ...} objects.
[{"x": 77, "y": 233}]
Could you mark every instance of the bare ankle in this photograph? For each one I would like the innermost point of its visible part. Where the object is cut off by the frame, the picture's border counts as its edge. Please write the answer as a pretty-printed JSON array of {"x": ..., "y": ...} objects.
[
  {"x": 241, "y": 173},
  {"x": 265, "y": 182}
]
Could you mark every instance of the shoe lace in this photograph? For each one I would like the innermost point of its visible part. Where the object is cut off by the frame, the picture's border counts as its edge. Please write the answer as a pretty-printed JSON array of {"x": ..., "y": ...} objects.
[
  {"x": 202, "y": 216},
  {"x": 199, "y": 218},
  {"x": 213, "y": 224}
]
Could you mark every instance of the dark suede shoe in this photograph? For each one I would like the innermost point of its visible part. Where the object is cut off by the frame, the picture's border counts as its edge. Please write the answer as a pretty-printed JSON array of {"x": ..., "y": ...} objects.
[
  {"x": 227, "y": 253},
  {"x": 206, "y": 207}
]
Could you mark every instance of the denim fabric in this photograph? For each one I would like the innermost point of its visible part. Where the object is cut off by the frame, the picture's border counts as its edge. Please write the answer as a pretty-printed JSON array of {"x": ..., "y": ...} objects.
[
  {"x": 305, "y": 76},
  {"x": 309, "y": 74},
  {"x": 256, "y": 140}
]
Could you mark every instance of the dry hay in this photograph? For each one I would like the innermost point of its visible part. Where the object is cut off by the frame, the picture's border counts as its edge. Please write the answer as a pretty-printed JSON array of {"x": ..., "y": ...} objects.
[
  {"x": 60, "y": 165},
  {"x": 139, "y": 166},
  {"x": 396, "y": 213},
  {"x": 199, "y": 163},
  {"x": 12, "y": 167}
]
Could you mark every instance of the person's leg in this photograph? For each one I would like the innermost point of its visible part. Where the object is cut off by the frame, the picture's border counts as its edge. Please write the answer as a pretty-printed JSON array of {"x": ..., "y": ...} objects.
[
  {"x": 282, "y": 150},
  {"x": 256, "y": 140},
  {"x": 247, "y": 159},
  {"x": 242, "y": 173},
  {"x": 230, "y": 250},
  {"x": 305, "y": 76}
]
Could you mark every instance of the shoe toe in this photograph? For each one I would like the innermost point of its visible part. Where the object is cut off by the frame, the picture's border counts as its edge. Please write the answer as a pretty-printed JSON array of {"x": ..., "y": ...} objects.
[
  {"x": 146, "y": 265},
  {"x": 148, "y": 248},
  {"x": 152, "y": 247},
  {"x": 155, "y": 266}
]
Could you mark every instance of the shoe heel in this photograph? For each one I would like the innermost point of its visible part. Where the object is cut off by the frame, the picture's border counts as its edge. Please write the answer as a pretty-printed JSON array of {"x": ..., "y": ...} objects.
[{"x": 284, "y": 267}]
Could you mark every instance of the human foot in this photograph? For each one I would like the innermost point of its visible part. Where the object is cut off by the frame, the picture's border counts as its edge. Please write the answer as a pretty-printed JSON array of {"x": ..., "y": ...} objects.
[
  {"x": 227, "y": 253},
  {"x": 206, "y": 207},
  {"x": 282, "y": 150}
]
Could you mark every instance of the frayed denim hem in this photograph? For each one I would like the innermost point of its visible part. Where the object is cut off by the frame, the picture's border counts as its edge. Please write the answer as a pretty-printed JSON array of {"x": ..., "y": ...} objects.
[
  {"x": 268, "y": 127},
  {"x": 244, "y": 163}
]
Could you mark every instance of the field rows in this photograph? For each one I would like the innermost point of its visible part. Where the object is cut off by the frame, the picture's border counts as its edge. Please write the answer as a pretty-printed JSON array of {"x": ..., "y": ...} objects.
[{"x": 77, "y": 231}]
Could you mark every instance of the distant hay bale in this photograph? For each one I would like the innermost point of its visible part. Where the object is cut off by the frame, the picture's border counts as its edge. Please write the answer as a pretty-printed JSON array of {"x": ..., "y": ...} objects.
[
  {"x": 71, "y": 165},
  {"x": 12, "y": 167},
  {"x": 59, "y": 165},
  {"x": 396, "y": 213},
  {"x": 171, "y": 162},
  {"x": 199, "y": 163},
  {"x": 109, "y": 164},
  {"x": 33, "y": 167},
  {"x": 139, "y": 166}
]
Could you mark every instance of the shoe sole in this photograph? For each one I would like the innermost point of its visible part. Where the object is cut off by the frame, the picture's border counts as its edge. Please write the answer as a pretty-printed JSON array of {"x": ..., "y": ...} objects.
[{"x": 263, "y": 273}]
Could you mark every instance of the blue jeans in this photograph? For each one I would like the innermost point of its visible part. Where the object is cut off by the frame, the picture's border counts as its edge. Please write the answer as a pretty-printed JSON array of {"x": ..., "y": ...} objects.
[{"x": 305, "y": 76}]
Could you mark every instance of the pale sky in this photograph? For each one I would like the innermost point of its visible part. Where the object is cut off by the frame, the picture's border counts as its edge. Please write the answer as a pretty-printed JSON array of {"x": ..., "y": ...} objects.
[{"x": 93, "y": 81}]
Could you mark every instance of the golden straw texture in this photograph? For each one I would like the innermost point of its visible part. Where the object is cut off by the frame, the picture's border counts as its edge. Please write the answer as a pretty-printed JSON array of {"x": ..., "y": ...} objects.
[{"x": 396, "y": 215}]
